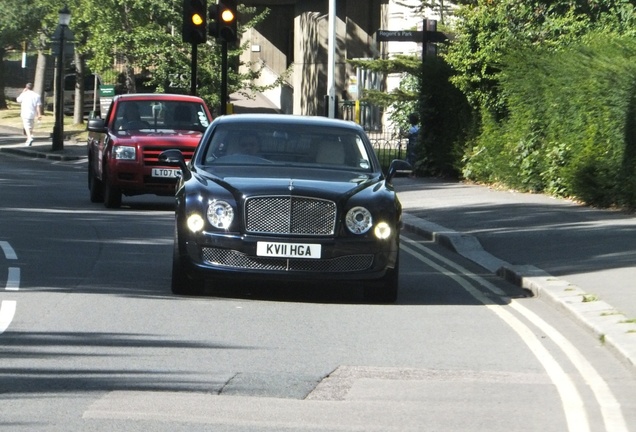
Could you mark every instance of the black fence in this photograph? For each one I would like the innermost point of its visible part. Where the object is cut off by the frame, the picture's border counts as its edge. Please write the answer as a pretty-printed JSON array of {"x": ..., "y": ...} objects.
[{"x": 388, "y": 146}]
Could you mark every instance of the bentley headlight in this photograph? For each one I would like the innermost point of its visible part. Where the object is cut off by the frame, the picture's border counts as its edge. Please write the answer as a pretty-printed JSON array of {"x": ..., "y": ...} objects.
[
  {"x": 195, "y": 222},
  {"x": 359, "y": 220},
  {"x": 382, "y": 231},
  {"x": 125, "y": 152},
  {"x": 220, "y": 214}
]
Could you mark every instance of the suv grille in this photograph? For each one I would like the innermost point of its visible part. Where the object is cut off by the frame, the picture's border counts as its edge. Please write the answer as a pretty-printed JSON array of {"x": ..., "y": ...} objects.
[
  {"x": 151, "y": 154},
  {"x": 290, "y": 215}
]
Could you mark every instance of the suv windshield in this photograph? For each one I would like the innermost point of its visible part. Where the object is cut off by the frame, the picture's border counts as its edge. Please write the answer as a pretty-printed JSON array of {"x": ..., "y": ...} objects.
[{"x": 154, "y": 115}]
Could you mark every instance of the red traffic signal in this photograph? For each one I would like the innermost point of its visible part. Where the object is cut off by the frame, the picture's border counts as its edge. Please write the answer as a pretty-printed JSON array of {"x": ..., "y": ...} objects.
[{"x": 194, "y": 28}]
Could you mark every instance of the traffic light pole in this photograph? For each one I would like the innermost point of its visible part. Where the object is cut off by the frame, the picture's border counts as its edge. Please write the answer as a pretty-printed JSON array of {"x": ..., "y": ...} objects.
[
  {"x": 193, "y": 70},
  {"x": 223, "y": 77}
]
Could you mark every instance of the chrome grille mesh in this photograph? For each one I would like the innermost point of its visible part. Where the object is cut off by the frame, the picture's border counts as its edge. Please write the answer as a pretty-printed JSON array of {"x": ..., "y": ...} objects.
[
  {"x": 235, "y": 259},
  {"x": 290, "y": 215}
]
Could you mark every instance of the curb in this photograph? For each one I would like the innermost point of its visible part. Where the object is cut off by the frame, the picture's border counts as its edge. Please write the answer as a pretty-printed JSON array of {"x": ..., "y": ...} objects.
[
  {"x": 36, "y": 154},
  {"x": 607, "y": 323}
]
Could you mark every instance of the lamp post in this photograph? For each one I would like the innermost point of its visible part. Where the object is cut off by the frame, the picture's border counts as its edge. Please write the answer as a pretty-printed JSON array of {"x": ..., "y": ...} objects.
[{"x": 58, "y": 128}]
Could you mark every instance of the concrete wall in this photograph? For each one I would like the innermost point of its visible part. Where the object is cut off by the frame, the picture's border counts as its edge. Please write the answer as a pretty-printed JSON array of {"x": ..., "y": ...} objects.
[{"x": 296, "y": 34}]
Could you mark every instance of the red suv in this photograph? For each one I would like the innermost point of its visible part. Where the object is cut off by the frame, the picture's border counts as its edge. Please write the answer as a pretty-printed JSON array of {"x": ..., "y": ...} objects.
[{"x": 123, "y": 147}]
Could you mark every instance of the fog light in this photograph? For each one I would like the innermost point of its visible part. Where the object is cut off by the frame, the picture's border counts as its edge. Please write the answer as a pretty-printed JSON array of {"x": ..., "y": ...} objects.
[
  {"x": 195, "y": 223},
  {"x": 382, "y": 231}
]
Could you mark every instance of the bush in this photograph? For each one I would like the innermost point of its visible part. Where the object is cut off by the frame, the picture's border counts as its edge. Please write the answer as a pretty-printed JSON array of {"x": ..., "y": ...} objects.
[
  {"x": 446, "y": 120},
  {"x": 570, "y": 125}
]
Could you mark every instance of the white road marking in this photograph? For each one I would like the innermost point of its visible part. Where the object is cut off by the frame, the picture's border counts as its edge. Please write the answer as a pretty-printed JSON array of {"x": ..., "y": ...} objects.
[
  {"x": 9, "y": 253},
  {"x": 7, "y": 310},
  {"x": 13, "y": 279},
  {"x": 574, "y": 409},
  {"x": 7, "y": 307}
]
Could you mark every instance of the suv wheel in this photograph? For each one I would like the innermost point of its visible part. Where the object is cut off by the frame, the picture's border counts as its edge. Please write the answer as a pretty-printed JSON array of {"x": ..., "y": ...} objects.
[
  {"x": 112, "y": 195},
  {"x": 95, "y": 186}
]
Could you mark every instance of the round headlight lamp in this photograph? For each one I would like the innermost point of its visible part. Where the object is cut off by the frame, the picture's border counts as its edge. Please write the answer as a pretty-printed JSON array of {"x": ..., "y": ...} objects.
[
  {"x": 359, "y": 220},
  {"x": 220, "y": 214}
]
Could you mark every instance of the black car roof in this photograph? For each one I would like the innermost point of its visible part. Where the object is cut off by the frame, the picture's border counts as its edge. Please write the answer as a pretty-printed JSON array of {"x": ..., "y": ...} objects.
[{"x": 287, "y": 119}]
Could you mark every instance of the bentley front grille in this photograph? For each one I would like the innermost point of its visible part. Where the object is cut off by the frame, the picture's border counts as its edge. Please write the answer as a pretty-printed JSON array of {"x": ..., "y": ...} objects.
[
  {"x": 238, "y": 260},
  {"x": 290, "y": 215}
]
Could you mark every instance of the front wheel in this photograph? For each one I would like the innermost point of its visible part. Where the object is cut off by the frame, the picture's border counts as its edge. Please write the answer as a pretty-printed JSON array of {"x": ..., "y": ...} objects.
[
  {"x": 95, "y": 186},
  {"x": 182, "y": 282},
  {"x": 112, "y": 195}
]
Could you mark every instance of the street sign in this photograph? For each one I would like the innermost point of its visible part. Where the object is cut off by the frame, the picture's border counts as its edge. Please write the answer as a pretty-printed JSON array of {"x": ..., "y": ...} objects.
[
  {"x": 398, "y": 35},
  {"x": 410, "y": 36},
  {"x": 106, "y": 94}
]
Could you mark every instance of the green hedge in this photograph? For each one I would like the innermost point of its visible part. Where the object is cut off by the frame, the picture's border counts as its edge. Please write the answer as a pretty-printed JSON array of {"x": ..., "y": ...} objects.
[{"x": 570, "y": 127}]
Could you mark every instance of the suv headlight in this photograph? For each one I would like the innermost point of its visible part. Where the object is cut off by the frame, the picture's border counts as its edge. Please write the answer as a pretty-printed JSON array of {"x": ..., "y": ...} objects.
[
  {"x": 359, "y": 220},
  {"x": 220, "y": 214},
  {"x": 125, "y": 152}
]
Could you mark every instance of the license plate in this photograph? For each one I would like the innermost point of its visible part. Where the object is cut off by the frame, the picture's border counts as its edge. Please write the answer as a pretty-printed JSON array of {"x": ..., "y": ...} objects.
[
  {"x": 288, "y": 250},
  {"x": 166, "y": 172}
]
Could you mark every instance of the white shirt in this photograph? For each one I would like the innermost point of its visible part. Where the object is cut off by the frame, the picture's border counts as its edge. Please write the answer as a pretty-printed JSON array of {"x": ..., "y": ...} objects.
[{"x": 29, "y": 101}]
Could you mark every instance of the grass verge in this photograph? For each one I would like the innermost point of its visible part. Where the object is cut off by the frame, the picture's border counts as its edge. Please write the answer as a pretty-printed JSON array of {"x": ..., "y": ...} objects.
[{"x": 11, "y": 117}]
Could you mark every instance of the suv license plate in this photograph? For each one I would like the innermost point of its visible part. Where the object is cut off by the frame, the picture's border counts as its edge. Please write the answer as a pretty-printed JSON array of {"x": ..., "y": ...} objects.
[
  {"x": 165, "y": 172},
  {"x": 288, "y": 250}
]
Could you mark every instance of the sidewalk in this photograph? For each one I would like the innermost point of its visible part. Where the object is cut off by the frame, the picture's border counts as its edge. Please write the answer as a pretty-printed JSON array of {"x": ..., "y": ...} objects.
[
  {"x": 581, "y": 259},
  {"x": 12, "y": 141}
]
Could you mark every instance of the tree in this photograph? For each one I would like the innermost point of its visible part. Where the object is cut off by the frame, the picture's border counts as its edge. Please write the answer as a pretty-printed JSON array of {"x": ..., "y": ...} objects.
[
  {"x": 19, "y": 22},
  {"x": 138, "y": 33},
  {"x": 402, "y": 100},
  {"x": 487, "y": 29}
]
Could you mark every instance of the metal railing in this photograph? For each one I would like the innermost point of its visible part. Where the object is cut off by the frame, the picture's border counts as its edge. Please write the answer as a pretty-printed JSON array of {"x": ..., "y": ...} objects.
[{"x": 388, "y": 144}]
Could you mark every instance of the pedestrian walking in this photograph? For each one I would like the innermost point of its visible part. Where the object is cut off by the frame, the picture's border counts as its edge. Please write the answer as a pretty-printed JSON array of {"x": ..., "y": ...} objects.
[
  {"x": 30, "y": 108},
  {"x": 414, "y": 131}
]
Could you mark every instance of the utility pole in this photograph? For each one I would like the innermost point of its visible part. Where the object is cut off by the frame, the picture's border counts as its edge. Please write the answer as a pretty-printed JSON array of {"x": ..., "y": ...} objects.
[{"x": 331, "y": 61}]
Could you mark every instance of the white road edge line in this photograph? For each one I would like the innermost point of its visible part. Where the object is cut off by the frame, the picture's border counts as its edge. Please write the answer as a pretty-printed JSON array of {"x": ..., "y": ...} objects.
[
  {"x": 610, "y": 407},
  {"x": 571, "y": 401},
  {"x": 7, "y": 311}
]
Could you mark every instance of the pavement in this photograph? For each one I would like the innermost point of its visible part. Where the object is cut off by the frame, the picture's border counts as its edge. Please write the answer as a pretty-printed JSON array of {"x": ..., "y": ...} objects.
[{"x": 581, "y": 259}]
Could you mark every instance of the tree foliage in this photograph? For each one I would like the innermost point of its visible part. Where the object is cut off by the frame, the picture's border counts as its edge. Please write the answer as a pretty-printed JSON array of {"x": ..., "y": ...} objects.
[
  {"x": 552, "y": 85},
  {"x": 129, "y": 42},
  {"x": 19, "y": 23},
  {"x": 487, "y": 29}
]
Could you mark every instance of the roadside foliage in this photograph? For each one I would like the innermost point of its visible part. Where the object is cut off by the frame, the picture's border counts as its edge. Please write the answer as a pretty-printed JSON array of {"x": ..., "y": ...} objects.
[{"x": 551, "y": 86}]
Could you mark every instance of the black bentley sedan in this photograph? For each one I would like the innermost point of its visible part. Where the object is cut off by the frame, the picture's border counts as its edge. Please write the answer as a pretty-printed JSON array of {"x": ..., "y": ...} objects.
[{"x": 288, "y": 198}]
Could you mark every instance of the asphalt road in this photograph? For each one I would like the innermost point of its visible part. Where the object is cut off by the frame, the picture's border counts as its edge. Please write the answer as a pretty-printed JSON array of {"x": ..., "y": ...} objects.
[{"x": 97, "y": 342}]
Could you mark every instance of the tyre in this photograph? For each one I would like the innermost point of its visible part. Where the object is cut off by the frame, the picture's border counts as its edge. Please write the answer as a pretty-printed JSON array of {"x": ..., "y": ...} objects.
[
  {"x": 112, "y": 195},
  {"x": 384, "y": 290},
  {"x": 183, "y": 283},
  {"x": 95, "y": 186}
]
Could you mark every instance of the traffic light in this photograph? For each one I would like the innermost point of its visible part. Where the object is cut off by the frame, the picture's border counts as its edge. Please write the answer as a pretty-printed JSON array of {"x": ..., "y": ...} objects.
[
  {"x": 226, "y": 20},
  {"x": 213, "y": 20},
  {"x": 194, "y": 28}
]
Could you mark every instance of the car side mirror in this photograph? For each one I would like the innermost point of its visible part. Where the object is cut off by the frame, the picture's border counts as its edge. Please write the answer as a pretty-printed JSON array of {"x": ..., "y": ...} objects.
[
  {"x": 96, "y": 125},
  {"x": 175, "y": 157},
  {"x": 397, "y": 166}
]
